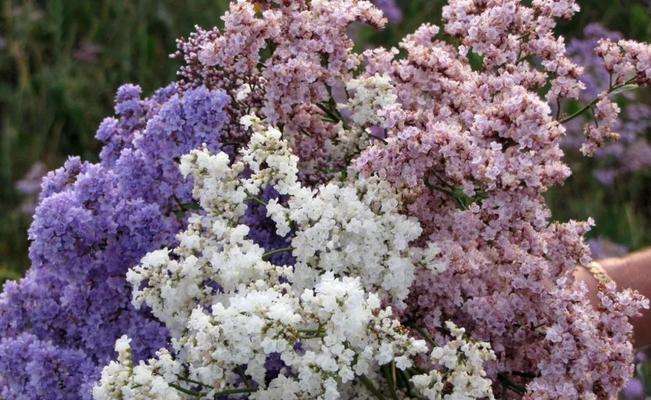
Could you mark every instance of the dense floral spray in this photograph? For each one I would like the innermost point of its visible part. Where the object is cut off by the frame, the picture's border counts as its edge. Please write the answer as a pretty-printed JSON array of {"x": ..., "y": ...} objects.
[{"x": 294, "y": 220}]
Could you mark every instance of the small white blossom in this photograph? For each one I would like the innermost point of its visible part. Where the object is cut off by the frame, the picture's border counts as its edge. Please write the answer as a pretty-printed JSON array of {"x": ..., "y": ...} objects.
[
  {"x": 372, "y": 99},
  {"x": 463, "y": 371},
  {"x": 122, "y": 380},
  {"x": 243, "y": 92}
]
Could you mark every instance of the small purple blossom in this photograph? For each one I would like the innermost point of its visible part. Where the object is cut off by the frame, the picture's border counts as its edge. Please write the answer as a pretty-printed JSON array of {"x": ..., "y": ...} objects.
[
  {"x": 603, "y": 248},
  {"x": 634, "y": 389},
  {"x": 390, "y": 9}
]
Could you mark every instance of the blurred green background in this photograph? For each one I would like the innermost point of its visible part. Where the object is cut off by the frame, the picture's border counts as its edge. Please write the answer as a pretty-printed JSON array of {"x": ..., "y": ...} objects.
[{"x": 62, "y": 60}]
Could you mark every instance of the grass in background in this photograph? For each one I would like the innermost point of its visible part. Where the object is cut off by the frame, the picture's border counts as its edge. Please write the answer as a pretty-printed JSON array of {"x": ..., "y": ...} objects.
[
  {"x": 61, "y": 62},
  {"x": 622, "y": 212}
]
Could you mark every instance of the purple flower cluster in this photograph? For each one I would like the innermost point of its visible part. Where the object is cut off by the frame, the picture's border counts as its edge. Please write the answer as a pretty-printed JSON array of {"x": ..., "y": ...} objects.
[
  {"x": 36, "y": 369},
  {"x": 94, "y": 221}
]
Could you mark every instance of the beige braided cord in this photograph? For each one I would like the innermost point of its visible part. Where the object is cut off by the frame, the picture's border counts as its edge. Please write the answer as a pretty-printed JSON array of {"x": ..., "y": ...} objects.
[{"x": 597, "y": 270}]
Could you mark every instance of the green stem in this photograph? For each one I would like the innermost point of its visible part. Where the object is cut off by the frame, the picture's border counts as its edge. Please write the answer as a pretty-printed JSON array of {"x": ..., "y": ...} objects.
[
  {"x": 186, "y": 391},
  {"x": 328, "y": 113},
  {"x": 425, "y": 336},
  {"x": 406, "y": 376},
  {"x": 457, "y": 194},
  {"x": 508, "y": 384},
  {"x": 596, "y": 100},
  {"x": 393, "y": 381},
  {"x": 371, "y": 388},
  {"x": 256, "y": 199},
  {"x": 312, "y": 333},
  {"x": 228, "y": 392},
  {"x": 242, "y": 374},
  {"x": 186, "y": 206},
  {"x": 178, "y": 202},
  {"x": 267, "y": 255},
  {"x": 218, "y": 394},
  {"x": 333, "y": 113},
  {"x": 580, "y": 111},
  {"x": 191, "y": 381}
]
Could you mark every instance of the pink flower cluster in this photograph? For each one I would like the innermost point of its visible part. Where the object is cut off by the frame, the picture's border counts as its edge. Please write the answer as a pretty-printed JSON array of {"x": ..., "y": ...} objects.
[
  {"x": 628, "y": 64},
  {"x": 288, "y": 59},
  {"x": 474, "y": 152},
  {"x": 628, "y": 61},
  {"x": 472, "y": 149},
  {"x": 606, "y": 113},
  {"x": 632, "y": 152},
  {"x": 507, "y": 32}
]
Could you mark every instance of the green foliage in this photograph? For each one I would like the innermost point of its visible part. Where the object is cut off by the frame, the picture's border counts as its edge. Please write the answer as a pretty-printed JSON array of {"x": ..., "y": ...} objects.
[
  {"x": 631, "y": 17},
  {"x": 415, "y": 13},
  {"x": 621, "y": 212},
  {"x": 60, "y": 64}
]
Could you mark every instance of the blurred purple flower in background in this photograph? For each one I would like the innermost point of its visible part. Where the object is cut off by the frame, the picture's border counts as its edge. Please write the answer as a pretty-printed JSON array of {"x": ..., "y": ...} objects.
[
  {"x": 30, "y": 186},
  {"x": 87, "y": 52},
  {"x": 603, "y": 248},
  {"x": 634, "y": 389},
  {"x": 391, "y": 10}
]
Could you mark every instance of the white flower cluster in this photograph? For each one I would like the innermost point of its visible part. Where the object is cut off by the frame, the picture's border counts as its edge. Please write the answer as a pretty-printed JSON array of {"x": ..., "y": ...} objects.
[
  {"x": 371, "y": 106},
  {"x": 352, "y": 231},
  {"x": 372, "y": 98},
  {"x": 230, "y": 311},
  {"x": 140, "y": 382},
  {"x": 321, "y": 346},
  {"x": 462, "y": 363}
]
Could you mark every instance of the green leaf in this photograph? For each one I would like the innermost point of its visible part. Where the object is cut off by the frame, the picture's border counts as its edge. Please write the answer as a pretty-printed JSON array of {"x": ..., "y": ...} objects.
[
  {"x": 476, "y": 61},
  {"x": 625, "y": 88}
]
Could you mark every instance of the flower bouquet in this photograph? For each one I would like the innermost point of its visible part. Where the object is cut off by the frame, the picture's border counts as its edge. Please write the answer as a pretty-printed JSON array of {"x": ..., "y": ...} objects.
[{"x": 291, "y": 219}]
